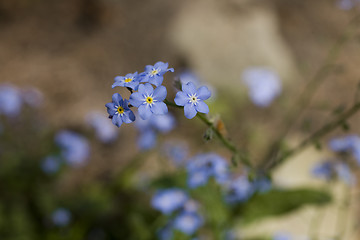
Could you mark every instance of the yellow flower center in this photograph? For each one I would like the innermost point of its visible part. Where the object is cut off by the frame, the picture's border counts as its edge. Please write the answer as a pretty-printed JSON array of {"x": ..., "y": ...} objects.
[
  {"x": 154, "y": 72},
  {"x": 128, "y": 80},
  {"x": 149, "y": 100},
  {"x": 120, "y": 110},
  {"x": 193, "y": 99}
]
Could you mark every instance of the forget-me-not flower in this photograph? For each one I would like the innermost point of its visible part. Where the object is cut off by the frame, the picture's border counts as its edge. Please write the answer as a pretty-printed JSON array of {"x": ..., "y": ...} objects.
[
  {"x": 188, "y": 222},
  {"x": 130, "y": 80},
  {"x": 105, "y": 131},
  {"x": 61, "y": 217},
  {"x": 348, "y": 144},
  {"x": 192, "y": 99},
  {"x": 50, "y": 164},
  {"x": 328, "y": 170},
  {"x": 75, "y": 148},
  {"x": 240, "y": 190},
  {"x": 264, "y": 85},
  {"x": 149, "y": 101},
  {"x": 10, "y": 101},
  {"x": 169, "y": 200},
  {"x": 155, "y": 74},
  {"x": 119, "y": 110},
  {"x": 203, "y": 166}
]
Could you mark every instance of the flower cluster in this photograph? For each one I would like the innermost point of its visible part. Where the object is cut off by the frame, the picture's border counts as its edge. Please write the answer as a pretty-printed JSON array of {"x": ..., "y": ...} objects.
[
  {"x": 148, "y": 95},
  {"x": 174, "y": 200}
]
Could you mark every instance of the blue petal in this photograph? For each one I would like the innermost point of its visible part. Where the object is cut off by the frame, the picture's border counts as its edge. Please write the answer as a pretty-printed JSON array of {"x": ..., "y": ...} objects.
[
  {"x": 159, "y": 108},
  {"x": 136, "y": 99},
  {"x": 181, "y": 98},
  {"x": 161, "y": 65},
  {"x": 147, "y": 90},
  {"x": 117, "y": 84},
  {"x": 144, "y": 111},
  {"x": 131, "y": 116},
  {"x": 202, "y": 107},
  {"x": 110, "y": 108},
  {"x": 116, "y": 98},
  {"x": 147, "y": 140},
  {"x": 116, "y": 120},
  {"x": 160, "y": 93},
  {"x": 148, "y": 68},
  {"x": 189, "y": 111},
  {"x": 125, "y": 117},
  {"x": 171, "y": 70},
  {"x": 203, "y": 93},
  {"x": 156, "y": 80},
  {"x": 189, "y": 88}
]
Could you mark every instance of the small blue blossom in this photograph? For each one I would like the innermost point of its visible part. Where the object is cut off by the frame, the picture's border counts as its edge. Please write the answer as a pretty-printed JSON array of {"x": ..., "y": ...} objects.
[
  {"x": 281, "y": 236},
  {"x": 190, "y": 76},
  {"x": 262, "y": 184},
  {"x": 240, "y": 190},
  {"x": 264, "y": 85},
  {"x": 328, "y": 170},
  {"x": 75, "y": 149},
  {"x": 51, "y": 164},
  {"x": 155, "y": 74},
  {"x": 130, "y": 80},
  {"x": 177, "y": 152},
  {"x": 149, "y": 101},
  {"x": 10, "y": 101},
  {"x": 193, "y": 99},
  {"x": 169, "y": 200},
  {"x": 147, "y": 139},
  {"x": 347, "y": 4},
  {"x": 203, "y": 166},
  {"x": 61, "y": 217},
  {"x": 119, "y": 110},
  {"x": 105, "y": 131},
  {"x": 33, "y": 97},
  {"x": 188, "y": 223},
  {"x": 348, "y": 144}
]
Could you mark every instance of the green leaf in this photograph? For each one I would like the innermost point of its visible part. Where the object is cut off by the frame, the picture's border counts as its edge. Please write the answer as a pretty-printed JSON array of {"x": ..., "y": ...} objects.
[{"x": 279, "y": 202}]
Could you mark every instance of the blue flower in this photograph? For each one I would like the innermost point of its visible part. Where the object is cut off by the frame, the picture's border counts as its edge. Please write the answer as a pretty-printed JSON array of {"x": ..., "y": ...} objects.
[
  {"x": 203, "y": 166},
  {"x": 149, "y": 101},
  {"x": 50, "y": 164},
  {"x": 119, "y": 110},
  {"x": 349, "y": 144},
  {"x": 328, "y": 170},
  {"x": 240, "y": 190},
  {"x": 262, "y": 184},
  {"x": 61, "y": 217},
  {"x": 188, "y": 223},
  {"x": 147, "y": 139},
  {"x": 33, "y": 97},
  {"x": 323, "y": 170},
  {"x": 165, "y": 233},
  {"x": 130, "y": 80},
  {"x": 281, "y": 236},
  {"x": 10, "y": 101},
  {"x": 74, "y": 148},
  {"x": 344, "y": 173},
  {"x": 154, "y": 74},
  {"x": 176, "y": 151},
  {"x": 264, "y": 85},
  {"x": 105, "y": 131},
  {"x": 347, "y": 4},
  {"x": 192, "y": 99},
  {"x": 169, "y": 200}
]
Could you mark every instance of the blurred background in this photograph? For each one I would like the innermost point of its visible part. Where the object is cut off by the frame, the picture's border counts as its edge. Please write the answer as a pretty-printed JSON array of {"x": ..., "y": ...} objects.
[{"x": 67, "y": 53}]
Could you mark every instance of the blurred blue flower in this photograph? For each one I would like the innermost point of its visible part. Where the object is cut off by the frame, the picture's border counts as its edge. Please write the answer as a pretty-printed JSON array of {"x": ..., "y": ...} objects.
[
  {"x": 347, "y": 4},
  {"x": 75, "y": 149},
  {"x": 191, "y": 206},
  {"x": 169, "y": 200},
  {"x": 149, "y": 101},
  {"x": 188, "y": 223},
  {"x": 105, "y": 131},
  {"x": 203, "y": 166},
  {"x": 328, "y": 170},
  {"x": 61, "y": 217},
  {"x": 176, "y": 151},
  {"x": 165, "y": 233},
  {"x": 240, "y": 190},
  {"x": 281, "y": 236},
  {"x": 147, "y": 139},
  {"x": 348, "y": 144},
  {"x": 10, "y": 100},
  {"x": 262, "y": 184},
  {"x": 154, "y": 74},
  {"x": 130, "y": 80},
  {"x": 119, "y": 110},
  {"x": 264, "y": 85},
  {"x": 193, "y": 99},
  {"x": 33, "y": 97},
  {"x": 51, "y": 164}
]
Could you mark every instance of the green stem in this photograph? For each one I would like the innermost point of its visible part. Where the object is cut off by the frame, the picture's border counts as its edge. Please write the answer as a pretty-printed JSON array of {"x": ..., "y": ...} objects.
[
  {"x": 304, "y": 99},
  {"x": 225, "y": 141},
  {"x": 327, "y": 128}
]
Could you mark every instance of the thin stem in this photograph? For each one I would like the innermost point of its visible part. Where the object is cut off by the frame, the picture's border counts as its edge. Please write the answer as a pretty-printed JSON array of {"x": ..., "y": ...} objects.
[
  {"x": 225, "y": 141},
  {"x": 327, "y": 128},
  {"x": 304, "y": 99}
]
